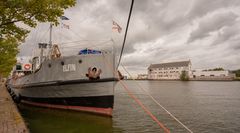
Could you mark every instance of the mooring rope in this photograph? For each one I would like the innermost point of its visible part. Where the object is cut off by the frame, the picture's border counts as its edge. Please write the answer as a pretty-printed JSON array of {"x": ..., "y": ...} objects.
[
  {"x": 115, "y": 72},
  {"x": 143, "y": 107},
  {"x": 158, "y": 102},
  {"x": 125, "y": 35}
]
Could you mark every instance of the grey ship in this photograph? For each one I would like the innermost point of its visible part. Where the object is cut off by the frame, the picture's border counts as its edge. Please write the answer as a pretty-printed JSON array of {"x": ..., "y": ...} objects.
[{"x": 83, "y": 82}]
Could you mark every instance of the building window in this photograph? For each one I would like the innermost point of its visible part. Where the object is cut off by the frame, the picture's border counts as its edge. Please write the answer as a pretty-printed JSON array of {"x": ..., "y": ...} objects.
[
  {"x": 202, "y": 75},
  {"x": 211, "y": 75}
]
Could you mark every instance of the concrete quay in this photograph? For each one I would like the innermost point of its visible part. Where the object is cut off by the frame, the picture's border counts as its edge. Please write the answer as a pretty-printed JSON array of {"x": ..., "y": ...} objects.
[{"x": 10, "y": 119}]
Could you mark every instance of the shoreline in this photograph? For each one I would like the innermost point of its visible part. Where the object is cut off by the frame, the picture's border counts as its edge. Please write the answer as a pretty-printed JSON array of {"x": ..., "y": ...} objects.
[
  {"x": 11, "y": 120},
  {"x": 185, "y": 81}
]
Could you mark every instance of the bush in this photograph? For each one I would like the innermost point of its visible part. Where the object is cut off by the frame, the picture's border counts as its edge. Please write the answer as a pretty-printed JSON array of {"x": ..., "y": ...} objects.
[{"x": 184, "y": 76}]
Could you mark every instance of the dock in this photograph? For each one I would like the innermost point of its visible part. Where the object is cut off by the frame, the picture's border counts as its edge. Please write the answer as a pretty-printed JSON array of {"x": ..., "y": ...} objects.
[{"x": 11, "y": 120}]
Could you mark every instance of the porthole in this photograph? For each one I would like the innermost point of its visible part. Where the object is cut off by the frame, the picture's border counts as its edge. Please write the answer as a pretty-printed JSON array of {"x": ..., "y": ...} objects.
[{"x": 79, "y": 61}]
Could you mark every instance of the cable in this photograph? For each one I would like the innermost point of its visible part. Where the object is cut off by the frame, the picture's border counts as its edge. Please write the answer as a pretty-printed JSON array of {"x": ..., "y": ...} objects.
[
  {"x": 144, "y": 108},
  {"x": 158, "y": 102},
  {"x": 130, "y": 94},
  {"x": 124, "y": 40}
]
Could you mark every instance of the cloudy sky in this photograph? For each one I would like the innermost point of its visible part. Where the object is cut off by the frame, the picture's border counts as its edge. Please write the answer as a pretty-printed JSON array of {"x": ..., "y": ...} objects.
[{"x": 205, "y": 31}]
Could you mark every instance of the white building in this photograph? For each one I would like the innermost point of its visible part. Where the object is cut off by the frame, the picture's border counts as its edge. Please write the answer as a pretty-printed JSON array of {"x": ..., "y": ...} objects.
[
  {"x": 212, "y": 75},
  {"x": 170, "y": 70},
  {"x": 142, "y": 76}
]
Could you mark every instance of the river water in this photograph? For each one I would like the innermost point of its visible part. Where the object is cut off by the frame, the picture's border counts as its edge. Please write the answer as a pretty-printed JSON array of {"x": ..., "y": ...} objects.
[{"x": 211, "y": 107}]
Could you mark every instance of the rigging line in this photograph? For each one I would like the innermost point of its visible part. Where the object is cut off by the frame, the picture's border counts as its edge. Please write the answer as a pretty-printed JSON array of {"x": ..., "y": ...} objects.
[
  {"x": 130, "y": 94},
  {"x": 83, "y": 41},
  {"x": 76, "y": 34},
  {"x": 158, "y": 102},
  {"x": 61, "y": 40},
  {"x": 42, "y": 36},
  {"x": 124, "y": 40},
  {"x": 144, "y": 108},
  {"x": 40, "y": 30},
  {"x": 35, "y": 34},
  {"x": 85, "y": 45}
]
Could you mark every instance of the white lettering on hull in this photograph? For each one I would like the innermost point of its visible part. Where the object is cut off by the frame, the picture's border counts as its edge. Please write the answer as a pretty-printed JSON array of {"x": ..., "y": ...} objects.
[{"x": 69, "y": 67}]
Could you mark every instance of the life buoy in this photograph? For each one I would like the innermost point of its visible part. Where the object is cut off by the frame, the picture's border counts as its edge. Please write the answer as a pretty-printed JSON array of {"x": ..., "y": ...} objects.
[
  {"x": 27, "y": 66},
  {"x": 93, "y": 73}
]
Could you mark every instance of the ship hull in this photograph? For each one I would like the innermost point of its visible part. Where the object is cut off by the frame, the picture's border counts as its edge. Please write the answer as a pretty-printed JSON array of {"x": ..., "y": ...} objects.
[
  {"x": 80, "y": 95},
  {"x": 96, "y": 105},
  {"x": 65, "y": 83}
]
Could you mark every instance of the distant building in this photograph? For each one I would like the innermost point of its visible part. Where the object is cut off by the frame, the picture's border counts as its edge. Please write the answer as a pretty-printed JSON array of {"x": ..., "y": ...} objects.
[
  {"x": 212, "y": 75},
  {"x": 169, "y": 71},
  {"x": 142, "y": 76},
  {"x": 125, "y": 77}
]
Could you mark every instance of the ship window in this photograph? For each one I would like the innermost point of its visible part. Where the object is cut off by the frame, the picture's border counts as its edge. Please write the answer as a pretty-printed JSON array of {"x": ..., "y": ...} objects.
[
  {"x": 18, "y": 67},
  {"x": 49, "y": 65},
  {"x": 79, "y": 61},
  {"x": 62, "y": 62}
]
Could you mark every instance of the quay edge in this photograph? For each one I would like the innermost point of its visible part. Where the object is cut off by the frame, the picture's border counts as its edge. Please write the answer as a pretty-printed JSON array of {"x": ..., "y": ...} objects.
[{"x": 11, "y": 120}]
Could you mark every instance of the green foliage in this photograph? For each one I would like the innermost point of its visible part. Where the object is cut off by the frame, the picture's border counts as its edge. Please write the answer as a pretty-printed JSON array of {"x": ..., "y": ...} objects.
[
  {"x": 8, "y": 52},
  {"x": 16, "y": 14},
  {"x": 218, "y": 69},
  {"x": 237, "y": 72},
  {"x": 29, "y": 12},
  {"x": 184, "y": 76},
  {"x": 215, "y": 69}
]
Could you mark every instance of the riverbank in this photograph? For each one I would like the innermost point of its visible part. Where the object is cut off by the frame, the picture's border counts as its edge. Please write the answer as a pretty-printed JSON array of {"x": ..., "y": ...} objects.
[
  {"x": 235, "y": 79},
  {"x": 10, "y": 119}
]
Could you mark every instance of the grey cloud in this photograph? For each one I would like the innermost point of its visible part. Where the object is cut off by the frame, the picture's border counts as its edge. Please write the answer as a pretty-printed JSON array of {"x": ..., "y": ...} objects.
[
  {"x": 226, "y": 34},
  {"x": 202, "y": 7},
  {"x": 208, "y": 25},
  {"x": 169, "y": 20}
]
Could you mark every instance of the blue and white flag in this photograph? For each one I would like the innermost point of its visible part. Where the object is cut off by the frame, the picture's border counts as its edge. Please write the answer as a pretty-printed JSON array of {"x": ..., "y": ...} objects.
[
  {"x": 65, "y": 26},
  {"x": 64, "y": 18}
]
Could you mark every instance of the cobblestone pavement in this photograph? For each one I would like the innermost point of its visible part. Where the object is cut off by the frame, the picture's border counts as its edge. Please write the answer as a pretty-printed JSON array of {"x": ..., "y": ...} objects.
[{"x": 10, "y": 119}]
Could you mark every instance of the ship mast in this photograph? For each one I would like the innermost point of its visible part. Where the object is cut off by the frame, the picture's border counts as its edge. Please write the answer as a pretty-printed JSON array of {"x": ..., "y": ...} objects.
[
  {"x": 50, "y": 36},
  {"x": 44, "y": 45},
  {"x": 50, "y": 41}
]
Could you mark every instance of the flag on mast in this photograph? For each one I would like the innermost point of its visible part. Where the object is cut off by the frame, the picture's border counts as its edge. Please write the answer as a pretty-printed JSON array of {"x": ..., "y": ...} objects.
[
  {"x": 116, "y": 27},
  {"x": 64, "y": 18},
  {"x": 65, "y": 26}
]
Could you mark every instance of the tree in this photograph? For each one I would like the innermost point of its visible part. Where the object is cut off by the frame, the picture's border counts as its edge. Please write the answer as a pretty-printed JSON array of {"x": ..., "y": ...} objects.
[
  {"x": 218, "y": 69},
  {"x": 8, "y": 52},
  {"x": 16, "y": 14},
  {"x": 184, "y": 76},
  {"x": 237, "y": 72}
]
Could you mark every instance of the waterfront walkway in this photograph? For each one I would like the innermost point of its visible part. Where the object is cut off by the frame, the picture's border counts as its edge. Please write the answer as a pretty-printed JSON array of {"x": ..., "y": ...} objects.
[{"x": 10, "y": 119}]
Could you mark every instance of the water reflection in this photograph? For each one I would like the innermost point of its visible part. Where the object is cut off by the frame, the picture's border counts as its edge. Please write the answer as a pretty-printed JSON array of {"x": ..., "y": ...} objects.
[
  {"x": 43, "y": 120},
  {"x": 201, "y": 106}
]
